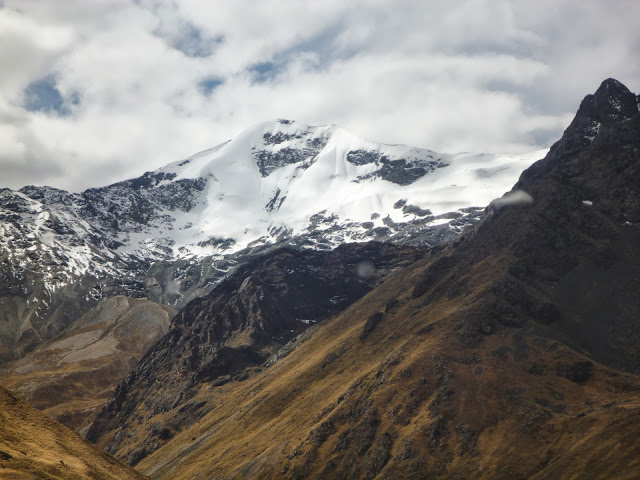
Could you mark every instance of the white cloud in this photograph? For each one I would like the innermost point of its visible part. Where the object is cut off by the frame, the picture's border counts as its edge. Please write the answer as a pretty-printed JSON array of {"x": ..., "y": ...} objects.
[
  {"x": 474, "y": 75},
  {"x": 511, "y": 199}
]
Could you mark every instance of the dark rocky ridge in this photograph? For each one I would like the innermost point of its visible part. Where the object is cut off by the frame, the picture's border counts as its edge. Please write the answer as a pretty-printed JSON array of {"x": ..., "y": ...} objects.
[
  {"x": 570, "y": 262},
  {"x": 241, "y": 323}
]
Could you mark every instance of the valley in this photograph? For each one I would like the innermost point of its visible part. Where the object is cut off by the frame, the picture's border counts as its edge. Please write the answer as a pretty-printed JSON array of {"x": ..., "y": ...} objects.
[
  {"x": 347, "y": 310},
  {"x": 72, "y": 376}
]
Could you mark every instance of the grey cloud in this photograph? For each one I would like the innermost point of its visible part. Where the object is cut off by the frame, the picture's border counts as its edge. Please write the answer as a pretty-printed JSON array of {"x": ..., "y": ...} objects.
[
  {"x": 36, "y": 171},
  {"x": 324, "y": 45},
  {"x": 179, "y": 32},
  {"x": 161, "y": 79},
  {"x": 189, "y": 39},
  {"x": 321, "y": 47},
  {"x": 29, "y": 162}
]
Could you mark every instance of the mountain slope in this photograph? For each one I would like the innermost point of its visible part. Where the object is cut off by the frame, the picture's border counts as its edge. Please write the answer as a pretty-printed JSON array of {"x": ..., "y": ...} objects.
[
  {"x": 172, "y": 234},
  {"x": 263, "y": 309},
  {"x": 34, "y": 446},
  {"x": 511, "y": 354},
  {"x": 73, "y": 375}
]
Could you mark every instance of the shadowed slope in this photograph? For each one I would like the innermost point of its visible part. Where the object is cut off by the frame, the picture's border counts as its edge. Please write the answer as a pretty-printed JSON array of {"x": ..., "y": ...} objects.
[{"x": 224, "y": 337}]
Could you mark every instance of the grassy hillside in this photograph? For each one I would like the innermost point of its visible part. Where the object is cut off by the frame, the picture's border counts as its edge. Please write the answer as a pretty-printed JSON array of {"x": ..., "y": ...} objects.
[
  {"x": 32, "y": 446},
  {"x": 407, "y": 401},
  {"x": 512, "y": 354}
]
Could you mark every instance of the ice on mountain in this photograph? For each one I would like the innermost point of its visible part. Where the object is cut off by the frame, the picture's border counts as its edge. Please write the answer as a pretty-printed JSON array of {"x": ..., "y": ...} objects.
[{"x": 280, "y": 182}]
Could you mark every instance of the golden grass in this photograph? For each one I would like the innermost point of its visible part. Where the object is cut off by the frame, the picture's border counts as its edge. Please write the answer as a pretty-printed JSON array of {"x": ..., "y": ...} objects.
[
  {"x": 262, "y": 427},
  {"x": 34, "y": 446}
]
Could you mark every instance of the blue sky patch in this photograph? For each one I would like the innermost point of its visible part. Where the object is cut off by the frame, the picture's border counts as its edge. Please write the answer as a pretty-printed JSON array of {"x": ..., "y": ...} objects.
[
  {"x": 43, "y": 96},
  {"x": 209, "y": 84},
  {"x": 322, "y": 45},
  {"x": 264, "y": 71}
]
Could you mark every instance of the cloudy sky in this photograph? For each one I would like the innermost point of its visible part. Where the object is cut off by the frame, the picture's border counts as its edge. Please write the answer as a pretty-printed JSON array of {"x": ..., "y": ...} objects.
[{"x": 92, "y": 91}]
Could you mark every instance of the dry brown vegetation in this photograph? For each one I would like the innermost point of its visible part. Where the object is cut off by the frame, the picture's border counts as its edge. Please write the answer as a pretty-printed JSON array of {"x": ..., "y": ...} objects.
[
  {"x": 408, "y": 402},
  {"x": 73, "y": 375},
  {"x": 32, "y": 446},
  {"x": 512, "y": 354}
]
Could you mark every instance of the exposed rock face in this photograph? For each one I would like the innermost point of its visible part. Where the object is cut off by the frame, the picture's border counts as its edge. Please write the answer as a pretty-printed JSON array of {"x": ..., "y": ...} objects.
[
  {"x": 56, "y": 264},
  {"x": 240, "y": 324},
  {"x": 522, "y": 334},
  {"x": 580, "y": 235},
  {"x": 402, "y": 171},
  {"x": 304, "y": 153},
  {"x": 74, "y": 374},
  {"x": 34, "y": 446}
]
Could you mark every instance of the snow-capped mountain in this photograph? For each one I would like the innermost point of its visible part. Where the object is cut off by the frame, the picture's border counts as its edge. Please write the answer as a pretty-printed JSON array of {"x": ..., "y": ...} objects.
[
  {"x": 173, "y": 233},
  {"x": 280, "y": 180}
]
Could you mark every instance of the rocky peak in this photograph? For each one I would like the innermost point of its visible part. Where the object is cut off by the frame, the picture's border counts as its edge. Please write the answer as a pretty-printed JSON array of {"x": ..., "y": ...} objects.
[
  {"x": 612, "y": 102},
  {"x": 609, "y": 106},
  {"x": 583, "y": 223}
]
